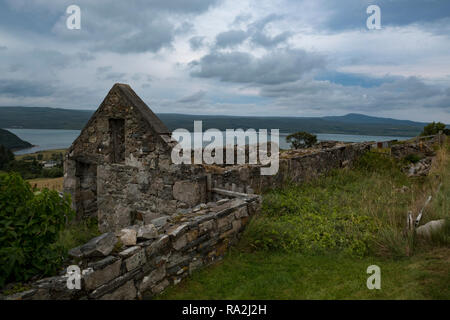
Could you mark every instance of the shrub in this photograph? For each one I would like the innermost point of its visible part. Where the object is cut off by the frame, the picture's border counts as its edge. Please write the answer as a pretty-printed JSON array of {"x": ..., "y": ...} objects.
[
  {"x": 433, "y": 128},
  {"x": 29, "y": 227},
  {"x": 6, "y": 156},
  {"x": 301, "y": 139},
  {"x": 55, "y": 172}
]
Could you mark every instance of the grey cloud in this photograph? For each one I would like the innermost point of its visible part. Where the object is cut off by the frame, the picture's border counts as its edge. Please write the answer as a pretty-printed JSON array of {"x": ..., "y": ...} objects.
[
  {"x": 256, "y": 32},
  {"x": 3, "y": 47},
  {"x": 265, "y": 41},
  {"x": 193, "y": 97},
  {"x": 278, "y": 66},
  {"x": 196, "y": 42},
  {"x": 25, "y": 88},
  {"x": 403, "y": 93},
  {"x": 230, "y": 38},
  {"x": 349, "y": 14}
]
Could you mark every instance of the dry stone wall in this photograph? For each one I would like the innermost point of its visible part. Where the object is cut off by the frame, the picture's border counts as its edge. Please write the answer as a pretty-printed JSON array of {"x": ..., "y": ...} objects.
[{"x": 142, "y": 260}]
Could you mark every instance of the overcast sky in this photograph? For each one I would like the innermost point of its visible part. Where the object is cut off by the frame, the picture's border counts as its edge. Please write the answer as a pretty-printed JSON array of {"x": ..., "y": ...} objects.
[{"x": 231, "y": 57}]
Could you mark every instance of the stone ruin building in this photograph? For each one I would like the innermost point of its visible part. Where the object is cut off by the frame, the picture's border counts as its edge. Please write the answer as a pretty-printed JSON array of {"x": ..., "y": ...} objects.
[
  {"x": 162, "y": 221},
  {"x": 119, "y": 169}
]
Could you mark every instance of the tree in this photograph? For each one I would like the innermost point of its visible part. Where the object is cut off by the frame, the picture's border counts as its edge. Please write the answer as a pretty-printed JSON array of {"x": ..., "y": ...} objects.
[
  {"x": 6, "y": 156},
  {"x": 433, "y": 128},
  {"x": 301, "y": 140}
]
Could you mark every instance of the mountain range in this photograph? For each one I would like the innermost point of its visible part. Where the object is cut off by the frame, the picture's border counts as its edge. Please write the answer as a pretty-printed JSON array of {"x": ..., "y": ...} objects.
[{"x": 353, "y": 123}]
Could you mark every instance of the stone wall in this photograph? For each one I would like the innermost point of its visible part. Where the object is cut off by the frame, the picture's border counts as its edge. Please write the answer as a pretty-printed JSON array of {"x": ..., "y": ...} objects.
[
  {"x": 141, "y": 261},
  {"x": 295, "y": 167}
]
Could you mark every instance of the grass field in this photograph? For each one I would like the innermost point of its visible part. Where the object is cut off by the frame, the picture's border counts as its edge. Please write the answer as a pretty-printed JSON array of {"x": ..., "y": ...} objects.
[
  {"x": 316, "y": 241},
  {"x": 47, "y": 154},
  {"x": 49, "y": 183}
]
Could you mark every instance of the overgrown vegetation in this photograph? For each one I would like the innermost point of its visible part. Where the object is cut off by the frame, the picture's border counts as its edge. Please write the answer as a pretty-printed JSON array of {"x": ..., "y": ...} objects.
[
  {"x": 30, "y": 225},
  {"x": 315, "y": 241},
  {"x": 30, "y": 166}
]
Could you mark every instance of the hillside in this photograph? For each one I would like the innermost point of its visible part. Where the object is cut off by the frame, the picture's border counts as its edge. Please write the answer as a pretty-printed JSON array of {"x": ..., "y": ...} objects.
[
  {"x": 52, "y": 118},
  {"x": 11, "y": 141}
]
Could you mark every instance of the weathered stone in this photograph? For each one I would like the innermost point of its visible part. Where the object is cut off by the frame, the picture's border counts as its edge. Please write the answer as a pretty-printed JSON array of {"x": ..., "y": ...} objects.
[
  {"x": 158, "y": 245},
  {"x": 128, "y": 237},
  {"x": 154, "y": 277},
  {"x": 429, "y": 228},
  {"x": 136, "y": 260},
  {"x": 25, "y": 295},
  {"x": 97, "y": 278},
  {"x": 180, "y": 242},
  {"x": 98, "y": 246},
  {"x": 206, "y": 226},
  {"x": 160, "y": 286},
  {"x": 102, "y": 263},
  {"x": 129, "y": 251},
  {"x": 189, "y": 192},
  {"x": 125, "y": 292},
  {"x": 160, "y": 221},
  {"x": 177, "y": 230},
  {"x": 147, "y": 232}
]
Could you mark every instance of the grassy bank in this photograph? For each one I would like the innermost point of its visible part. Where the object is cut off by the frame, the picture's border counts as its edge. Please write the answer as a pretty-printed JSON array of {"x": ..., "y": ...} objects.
[{"x": 316, "y": 241}]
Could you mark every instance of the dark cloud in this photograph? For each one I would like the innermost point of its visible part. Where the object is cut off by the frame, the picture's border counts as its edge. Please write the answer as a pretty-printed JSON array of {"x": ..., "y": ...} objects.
[
  {"x": 351, "y": 14},
  {"x": 275, "y": 67},
  {"x": 193, "y": 97},
  {"x": 400, "y": 94},
  {"x": 25, "y": 88}
]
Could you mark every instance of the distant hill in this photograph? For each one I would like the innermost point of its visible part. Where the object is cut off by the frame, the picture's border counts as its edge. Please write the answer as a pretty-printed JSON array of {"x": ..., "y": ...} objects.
[
  {"x": 11, "y": 141},
  {"x": 359, "y": 124}
]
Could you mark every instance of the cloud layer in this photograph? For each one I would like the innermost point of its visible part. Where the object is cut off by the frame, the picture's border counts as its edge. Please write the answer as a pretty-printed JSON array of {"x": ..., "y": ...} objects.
[{"x": 289, "y": 57}]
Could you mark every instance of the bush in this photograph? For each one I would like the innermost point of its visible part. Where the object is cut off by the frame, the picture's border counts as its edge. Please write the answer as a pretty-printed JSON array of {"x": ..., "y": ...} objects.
[
  {"x": 55, "y": 172},
  {"x": 27, "y": 169},
  {"x": 29, "y": 227},
  {"x": 301, "y": 139},
  {"x": 6, "y": 156},
  {"x": 433, "y": 128}
]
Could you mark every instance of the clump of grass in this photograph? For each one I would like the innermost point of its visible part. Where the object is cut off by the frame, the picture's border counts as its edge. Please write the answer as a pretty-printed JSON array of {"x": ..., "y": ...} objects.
[{"x": 78, "y": 232}]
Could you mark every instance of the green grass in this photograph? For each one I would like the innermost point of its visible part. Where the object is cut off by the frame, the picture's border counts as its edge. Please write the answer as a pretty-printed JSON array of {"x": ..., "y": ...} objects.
[
  {"x": 77, "y": 233},
  {"x": 275, "y": 275},
  {"x": 315, "y": 241}
]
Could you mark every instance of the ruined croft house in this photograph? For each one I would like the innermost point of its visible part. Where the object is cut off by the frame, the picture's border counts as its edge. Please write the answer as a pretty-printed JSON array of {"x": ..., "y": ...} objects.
[{"x": 119, "y": 169}]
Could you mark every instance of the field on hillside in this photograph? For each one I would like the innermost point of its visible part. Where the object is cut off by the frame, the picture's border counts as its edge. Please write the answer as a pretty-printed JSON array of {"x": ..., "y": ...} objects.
[
  {"x": 46, "y": 154},
  {"x": 49, "y": 183},
  {"x": 316, "y": 241}
]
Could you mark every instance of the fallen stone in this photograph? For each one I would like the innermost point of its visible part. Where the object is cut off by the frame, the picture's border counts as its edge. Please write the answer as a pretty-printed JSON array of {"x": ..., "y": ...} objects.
[
  {"x": 427, "y": 229},
  {"x": 96, "y": 247}
]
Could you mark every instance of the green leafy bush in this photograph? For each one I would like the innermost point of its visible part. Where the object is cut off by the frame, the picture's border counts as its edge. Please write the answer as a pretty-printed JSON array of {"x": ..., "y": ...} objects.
[{"x": 29, "y": 227}]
